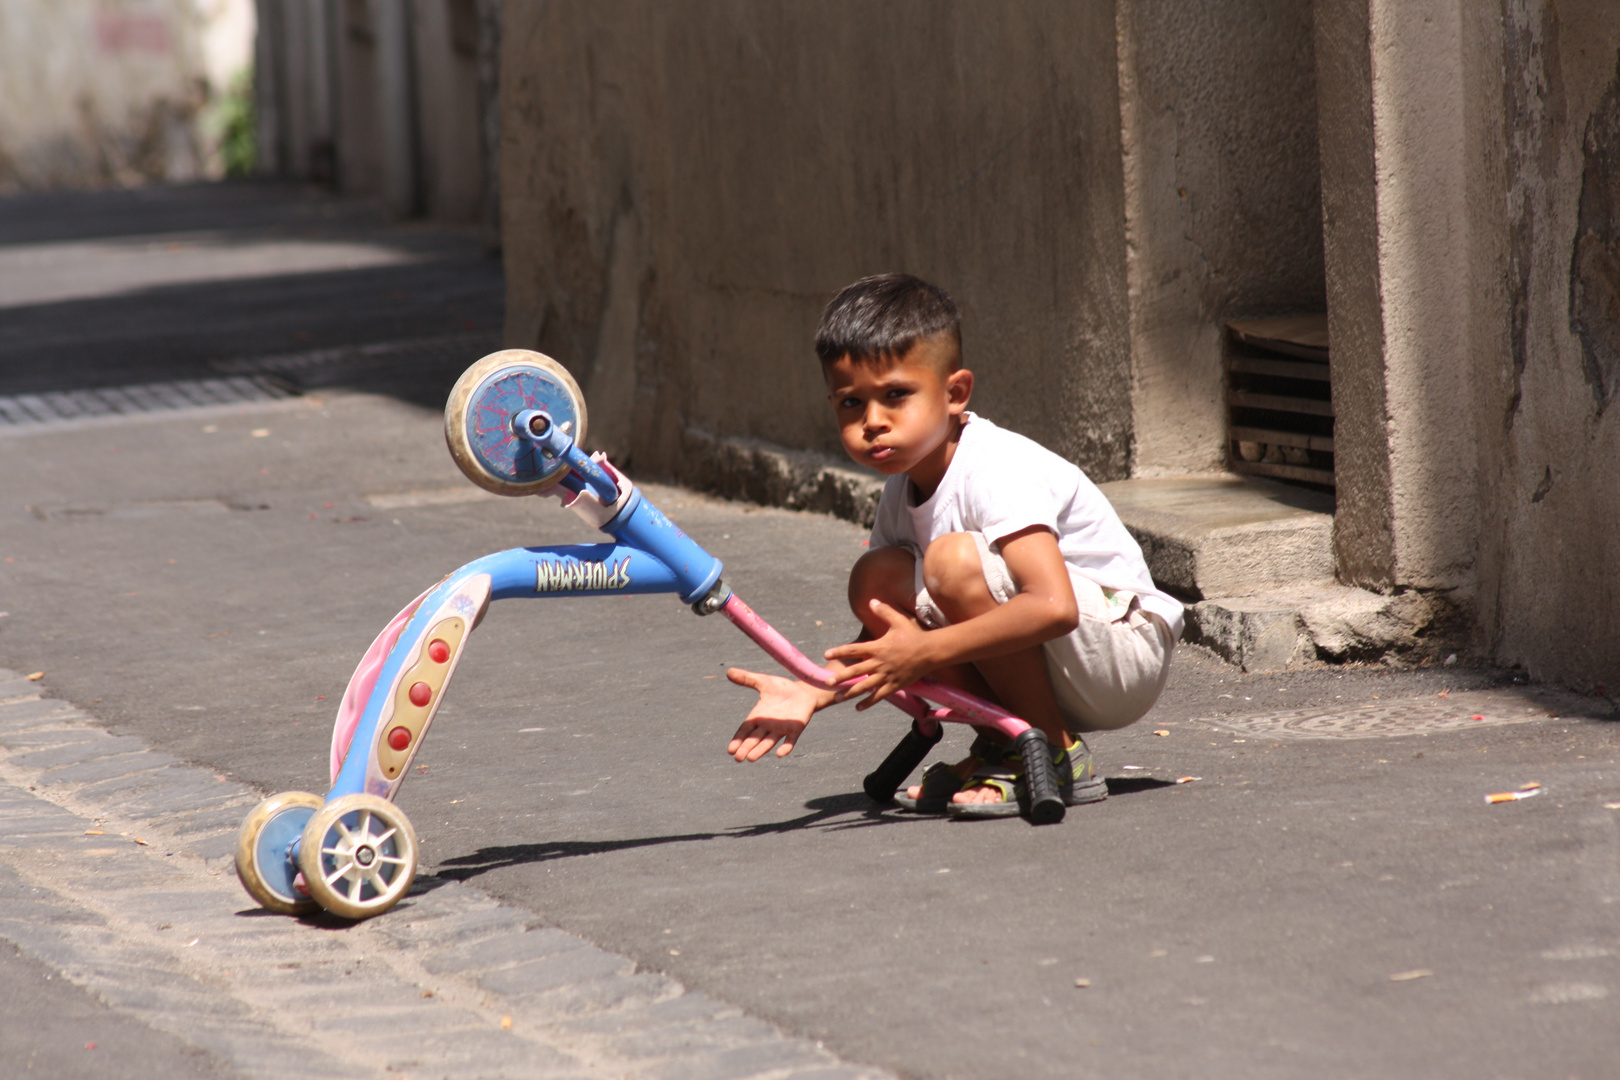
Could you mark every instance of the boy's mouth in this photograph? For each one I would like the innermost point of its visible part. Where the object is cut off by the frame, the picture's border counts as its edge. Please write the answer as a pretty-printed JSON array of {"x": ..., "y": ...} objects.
[{"x": 880, "y": 453}]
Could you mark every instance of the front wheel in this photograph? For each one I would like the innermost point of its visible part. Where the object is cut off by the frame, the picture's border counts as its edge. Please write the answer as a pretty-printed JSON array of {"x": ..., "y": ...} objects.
[
  {"x": 263, "y": 846},
  {"x": 478, "y": 420},
  {"x": 358, "y": 856}
]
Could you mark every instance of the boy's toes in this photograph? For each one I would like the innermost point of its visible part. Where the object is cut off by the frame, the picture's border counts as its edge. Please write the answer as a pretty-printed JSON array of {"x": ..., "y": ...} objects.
[{"x": 978, "y": 794}]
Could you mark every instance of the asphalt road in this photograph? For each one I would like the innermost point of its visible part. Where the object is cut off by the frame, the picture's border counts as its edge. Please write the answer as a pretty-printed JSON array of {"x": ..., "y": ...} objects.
[{"x": 207, "y": 582}]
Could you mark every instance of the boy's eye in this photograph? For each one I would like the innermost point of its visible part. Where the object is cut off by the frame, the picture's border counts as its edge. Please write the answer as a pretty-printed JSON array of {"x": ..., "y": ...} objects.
[
  {"x": 850, "y": 403},
  {"x": 896, "y": 393}
]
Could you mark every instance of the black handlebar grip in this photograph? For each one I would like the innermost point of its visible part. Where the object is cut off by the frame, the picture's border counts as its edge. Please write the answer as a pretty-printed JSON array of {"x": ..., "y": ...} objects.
[
  {"x": 881, "y": 783},
  {"x": 1043, "y": 802}
]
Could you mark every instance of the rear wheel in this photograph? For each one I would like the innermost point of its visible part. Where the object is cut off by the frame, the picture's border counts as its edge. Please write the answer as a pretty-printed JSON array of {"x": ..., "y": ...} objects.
[{"x": 263, "y": 851}]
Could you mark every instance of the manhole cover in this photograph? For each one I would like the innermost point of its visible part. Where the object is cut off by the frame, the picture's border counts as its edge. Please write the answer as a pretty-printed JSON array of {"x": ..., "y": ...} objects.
[{"x": 1414, "y": 716}]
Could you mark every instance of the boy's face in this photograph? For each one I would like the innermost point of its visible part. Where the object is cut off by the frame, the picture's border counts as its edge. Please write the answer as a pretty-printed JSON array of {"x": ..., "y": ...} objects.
[{"x": 898, "y": 416}]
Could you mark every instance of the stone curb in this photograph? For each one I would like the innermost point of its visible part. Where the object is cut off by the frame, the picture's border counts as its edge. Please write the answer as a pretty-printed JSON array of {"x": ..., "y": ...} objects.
[
  {"x": 1328, "y": 624},
  {"x": 762, "y": 472},
  {"x": 116, "y": 869}
]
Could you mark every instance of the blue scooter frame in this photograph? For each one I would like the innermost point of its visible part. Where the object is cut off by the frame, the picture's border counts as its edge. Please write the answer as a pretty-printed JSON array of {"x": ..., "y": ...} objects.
[{"x": 354, "y": 852}]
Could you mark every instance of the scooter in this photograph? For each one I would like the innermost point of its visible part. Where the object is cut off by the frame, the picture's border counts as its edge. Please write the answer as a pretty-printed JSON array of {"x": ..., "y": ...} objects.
[{"x": 514, "y": 423}]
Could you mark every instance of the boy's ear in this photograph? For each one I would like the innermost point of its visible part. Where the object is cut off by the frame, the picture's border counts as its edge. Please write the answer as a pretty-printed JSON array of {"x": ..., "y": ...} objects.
[{"x": 958, "y": 389}]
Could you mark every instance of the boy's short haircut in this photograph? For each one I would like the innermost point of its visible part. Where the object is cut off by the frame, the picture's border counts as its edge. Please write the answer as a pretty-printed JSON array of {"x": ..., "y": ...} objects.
[{"x": 882, "y": 317}]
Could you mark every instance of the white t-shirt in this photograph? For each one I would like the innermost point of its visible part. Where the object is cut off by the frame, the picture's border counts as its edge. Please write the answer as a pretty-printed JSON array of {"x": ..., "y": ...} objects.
[{"x": 999, "y": 483}]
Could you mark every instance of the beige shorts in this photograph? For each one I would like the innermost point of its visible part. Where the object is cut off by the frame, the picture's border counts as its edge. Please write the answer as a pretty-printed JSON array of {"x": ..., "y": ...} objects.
[{"x": 1105, "y": 674}]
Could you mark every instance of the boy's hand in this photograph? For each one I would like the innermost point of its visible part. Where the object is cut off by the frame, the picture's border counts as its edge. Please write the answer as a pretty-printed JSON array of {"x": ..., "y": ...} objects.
[
  {"x": 885, "y": 664},
  {"x": 784, "y": 708}
]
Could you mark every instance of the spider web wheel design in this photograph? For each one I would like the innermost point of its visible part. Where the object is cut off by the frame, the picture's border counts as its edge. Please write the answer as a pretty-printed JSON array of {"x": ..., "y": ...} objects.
[{"x": 479, "y": 415}]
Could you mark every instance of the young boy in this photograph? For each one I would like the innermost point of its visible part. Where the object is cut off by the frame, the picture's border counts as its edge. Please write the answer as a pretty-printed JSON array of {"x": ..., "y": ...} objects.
[{"x": 995, "y": 565}]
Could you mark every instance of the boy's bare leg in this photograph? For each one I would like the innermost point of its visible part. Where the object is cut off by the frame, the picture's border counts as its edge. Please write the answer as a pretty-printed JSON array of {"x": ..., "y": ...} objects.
[
  {"x": 889, "y": 574},
  {"x": 1018, "y": 681}
]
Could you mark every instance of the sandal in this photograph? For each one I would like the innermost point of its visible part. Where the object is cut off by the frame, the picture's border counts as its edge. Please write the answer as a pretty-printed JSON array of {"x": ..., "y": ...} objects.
[
  {"x": 1077, "y": 782},
  {"x": 939, "y": 784},
  {"x": 940, "y": 781}
]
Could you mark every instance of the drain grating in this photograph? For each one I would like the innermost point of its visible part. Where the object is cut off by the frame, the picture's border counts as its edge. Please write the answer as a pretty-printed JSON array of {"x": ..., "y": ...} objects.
[
  {"x": 23, "y": 412},
  {"x": 1412, "y": 716},
  {"x": 243, "y": 381}
]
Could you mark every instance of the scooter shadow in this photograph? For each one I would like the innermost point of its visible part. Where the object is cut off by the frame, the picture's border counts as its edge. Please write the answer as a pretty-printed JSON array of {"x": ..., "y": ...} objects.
[{"x": 834, "y": 813}]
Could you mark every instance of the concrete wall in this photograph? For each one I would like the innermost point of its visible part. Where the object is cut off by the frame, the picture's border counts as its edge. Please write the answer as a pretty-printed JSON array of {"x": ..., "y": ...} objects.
[
  {"x": 1551, "y": 491},
  {"x": 1223, "y": 202},
  {"x": 100, "y": 92},
  {"x": 1471, "y": 191},
  {"x": 685, "y": 185}
]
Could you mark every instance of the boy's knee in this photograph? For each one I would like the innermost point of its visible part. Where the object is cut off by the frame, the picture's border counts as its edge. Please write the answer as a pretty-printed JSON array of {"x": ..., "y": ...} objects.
[
  {"x": 887, "y": 574},
  {"x": 953, "y": 570}
]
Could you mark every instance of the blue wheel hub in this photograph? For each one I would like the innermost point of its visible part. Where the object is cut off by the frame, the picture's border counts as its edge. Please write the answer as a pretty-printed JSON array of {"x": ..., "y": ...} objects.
[{"x": 489, "y": 423}]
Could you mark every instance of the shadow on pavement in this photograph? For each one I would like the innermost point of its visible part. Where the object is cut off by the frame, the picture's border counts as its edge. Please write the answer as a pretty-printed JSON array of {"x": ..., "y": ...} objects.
[
  {"x": 833, "y": 812},
  {"x": 193, "y": 282},
  {"x": 1129, "y": 785}
]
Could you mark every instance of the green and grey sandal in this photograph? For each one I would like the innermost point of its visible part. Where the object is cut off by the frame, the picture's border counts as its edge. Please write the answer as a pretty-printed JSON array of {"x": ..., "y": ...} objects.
[{"x": 1077, "y": 782}]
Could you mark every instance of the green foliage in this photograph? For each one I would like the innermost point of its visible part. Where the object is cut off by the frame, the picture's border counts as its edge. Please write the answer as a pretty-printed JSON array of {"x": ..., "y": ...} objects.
[{"x": 238, "y": 143}]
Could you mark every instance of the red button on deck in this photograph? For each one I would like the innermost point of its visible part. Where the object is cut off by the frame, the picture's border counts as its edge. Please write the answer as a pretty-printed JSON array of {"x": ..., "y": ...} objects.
[
  {"x": 421, "y": 694},
  {"x": 399, "y": 738},
  {"x": 438, "y": 651}
]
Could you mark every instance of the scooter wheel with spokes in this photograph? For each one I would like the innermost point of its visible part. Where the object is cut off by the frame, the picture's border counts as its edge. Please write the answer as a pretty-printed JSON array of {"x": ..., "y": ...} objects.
[
  {"x": 478, "y": 420},
  {"x": 263, "y": 851},
  {"x": 358, "y": 856}
]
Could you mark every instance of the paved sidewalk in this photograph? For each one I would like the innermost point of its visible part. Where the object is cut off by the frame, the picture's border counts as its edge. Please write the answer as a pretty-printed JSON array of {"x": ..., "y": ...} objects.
[{"x": 143, "y": 910}]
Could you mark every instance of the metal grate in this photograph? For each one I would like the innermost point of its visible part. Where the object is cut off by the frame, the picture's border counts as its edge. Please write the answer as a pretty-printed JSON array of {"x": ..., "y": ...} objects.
[
  {"x": 28, "y": 411},
  {"x": 1279, "y": 398}
]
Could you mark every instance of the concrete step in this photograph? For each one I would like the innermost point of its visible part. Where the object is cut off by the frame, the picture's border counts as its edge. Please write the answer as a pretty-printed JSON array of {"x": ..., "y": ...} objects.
[
  {"x": 1290, "y": 628},
  {"x": 1227, "y": 535},
  {"x": 1253, "y": 558}
]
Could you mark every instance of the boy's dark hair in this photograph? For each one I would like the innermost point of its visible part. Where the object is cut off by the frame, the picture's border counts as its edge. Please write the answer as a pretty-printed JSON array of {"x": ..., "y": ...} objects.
[{"x": 883, "y": 316}]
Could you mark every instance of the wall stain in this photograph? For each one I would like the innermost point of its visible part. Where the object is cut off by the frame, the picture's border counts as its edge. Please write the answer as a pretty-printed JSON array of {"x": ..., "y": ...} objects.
[
  {"x": 1533, "y": 96},
  {"x": 1594, "y": 273},
  {"x": 1544, "y": 487}
]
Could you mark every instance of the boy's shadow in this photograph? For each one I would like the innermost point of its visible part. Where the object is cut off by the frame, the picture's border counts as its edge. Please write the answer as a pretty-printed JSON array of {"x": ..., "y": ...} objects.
[{"x": 834, "y": 813}]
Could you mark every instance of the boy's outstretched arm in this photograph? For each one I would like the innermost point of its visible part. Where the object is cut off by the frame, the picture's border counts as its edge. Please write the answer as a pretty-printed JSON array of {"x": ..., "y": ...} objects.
[
  {"x": 778, "y": 717},
  {"x": 781, "y": 713}
]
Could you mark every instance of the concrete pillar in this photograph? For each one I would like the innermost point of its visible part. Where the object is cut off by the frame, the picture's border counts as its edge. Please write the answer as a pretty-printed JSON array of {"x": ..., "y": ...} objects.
[
  {"x": 489, "y": 113},
  {"x": 1395, "y": 182},
  {"x": 269, "y": 48},
  {"x": 445, "y": 38},
  {"x": 396, "y": 106},
  {"x": 320, "y": 128}
]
